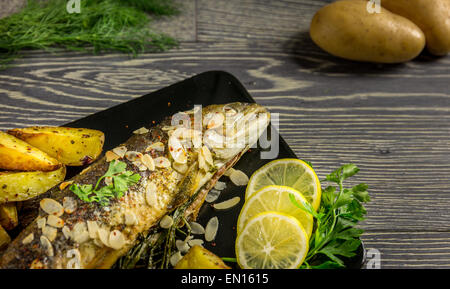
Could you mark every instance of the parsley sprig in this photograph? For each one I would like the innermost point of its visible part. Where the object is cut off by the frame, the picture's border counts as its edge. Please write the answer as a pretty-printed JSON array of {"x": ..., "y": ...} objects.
[
  {"x": 335, "y": 235},
  {"x": 121, "y": 181}
]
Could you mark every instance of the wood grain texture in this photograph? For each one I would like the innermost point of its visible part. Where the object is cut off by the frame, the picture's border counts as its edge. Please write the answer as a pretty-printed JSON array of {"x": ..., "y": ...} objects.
[{"x": 393, "y": 121}]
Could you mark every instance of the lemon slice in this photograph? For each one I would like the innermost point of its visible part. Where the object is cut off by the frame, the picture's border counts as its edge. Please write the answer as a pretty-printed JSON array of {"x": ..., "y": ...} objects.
[
  {"x": 275, "y": 198},
  {"x": 293, "y": 173},
  {"x": 271, "y": 240}
]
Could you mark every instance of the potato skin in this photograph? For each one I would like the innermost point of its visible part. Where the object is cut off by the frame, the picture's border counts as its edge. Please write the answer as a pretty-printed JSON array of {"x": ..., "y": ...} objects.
[
  {"x": 8, "y": 216},
  {"x": 71, "y": 146},
  {"x": 200, "y": 258},
  {"x": 21, "y": 186},
  {"x": 432, "y": 16},
  {"x": 16, "y": 154},
  {"x": 346, "y": 29}
]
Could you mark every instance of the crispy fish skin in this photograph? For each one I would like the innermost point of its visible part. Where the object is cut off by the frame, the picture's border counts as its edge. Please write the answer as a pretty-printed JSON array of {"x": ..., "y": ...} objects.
[{"x": 93, "y": 236}]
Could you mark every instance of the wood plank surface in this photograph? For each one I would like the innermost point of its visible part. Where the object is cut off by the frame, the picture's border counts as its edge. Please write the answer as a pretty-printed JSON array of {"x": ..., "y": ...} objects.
[{"x": 393, "y": 121}]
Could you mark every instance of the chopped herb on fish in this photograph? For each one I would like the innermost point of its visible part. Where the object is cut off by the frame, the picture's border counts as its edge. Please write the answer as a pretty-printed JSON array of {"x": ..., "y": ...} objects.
[{"x": 122, "y": 180}]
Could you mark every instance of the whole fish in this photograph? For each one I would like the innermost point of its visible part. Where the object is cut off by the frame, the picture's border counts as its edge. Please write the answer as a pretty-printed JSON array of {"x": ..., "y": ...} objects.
[{"x": 181, "y": 157}]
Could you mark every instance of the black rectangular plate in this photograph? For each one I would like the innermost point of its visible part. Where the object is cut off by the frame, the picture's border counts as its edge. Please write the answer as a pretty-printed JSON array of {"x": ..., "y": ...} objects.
[{"x": 212, "y": 87}]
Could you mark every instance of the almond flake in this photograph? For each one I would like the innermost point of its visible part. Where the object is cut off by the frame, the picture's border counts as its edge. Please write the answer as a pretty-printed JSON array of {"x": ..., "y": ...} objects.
[
  {"x": 196, "y": 228},
  {"x": 227, "y": 204},
  {"x": 66, "y": 232},
  {"x": 157, "y": 146},
  {"x": 220, "y": 185},
  {"x": 212, "y": 196},
  {"x": 211, "y": 229},
  {"x": 103, "y": 235},
  {"x": 64, "y": 185},
  {"x": 116, "y": 240},
  {"x": 28, "y": 239},
  {"x": 120, "y": 151},
  {"x": 162, "y": 162},
  {"x": 50, "y": 233},
  {"x": 195, "y": 242},
  {"x": 130, "y": 218},
  {"x": 239, "y": 178},
  {"x": 133, "y": 156},
  {"x": 175, "y": 258},
  {"x": 47, "y": 246},
  {"x": 92, "y": 229},
  {"x": 148, "y": 161},
  {"x": 151, "y": 194},
  {"x": 110, "y": 156},
  {"x": 166, "y": 222},
  {"x": 41, "y": 221},
  {"x": 55, "y": 221},
  {"x": 69, "y": 204},
  {"x": 229, "y": 172},
  {"x": 141, "y": 130},
  {"x": 182, "y": 246},
  {"x": 51, "y": 207},
  {"x": 80, "y": 233}
]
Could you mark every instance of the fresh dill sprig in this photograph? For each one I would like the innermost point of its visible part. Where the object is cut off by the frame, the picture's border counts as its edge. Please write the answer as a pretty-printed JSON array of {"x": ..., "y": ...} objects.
[{"x": 102, "y": 25}]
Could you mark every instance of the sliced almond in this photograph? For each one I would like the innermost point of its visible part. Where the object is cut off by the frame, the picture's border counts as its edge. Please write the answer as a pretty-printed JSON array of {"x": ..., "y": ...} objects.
[
  {"x": 212, "y": 196},
  {"x": 55, "y": 221},
  {"x": 51, "y": 207},
  {"x": 80, "y": 233},
  {"x": 148, "y": 161},
  {"x": 196, "y": 228},
  {"x": 239, "y": 178},
  {"x": 151, "y": 194},
  {"x": 175, "y": 258},
  {"x": 207, "y": 155},
  {"x": 162, "y": 162},
  {"x": 64, "y": 185},
  {"x": 69, "y": 204},
  {"x": 195, "y": 242},
  {"x": 141, "y": 130},
  {"x": 177, "y": 150},
  {"x": 139, "y": 165},
  {"x": 211, "y": 229},
  {"x": 157, "y": 146},
  {"x": 66, "y": 232},
  {"x": 28, "y": 239},
  {"x": 41, "y": 221},
  {"x": 50, "y": 233},
  {"x": 220, "y": 185},
  {"x": 229, "y": 172},
  {"x": 130, "y": 218},
  {"x": 103, "y": 235},
  {"x": 116, "y": 240},
  {"x": 182, "y": 246},
  {"x": 120, "y": 151},
  {"x": 92, "y": 229},
  {"x": 110, "y": 156},
  {"x": 227, "y": 204},
  {"x": 181, "y": 168},
  {"x": 47, "y": 246},
  {"x": 133, "y": 156},
  {"x": 166, "y": 222}
]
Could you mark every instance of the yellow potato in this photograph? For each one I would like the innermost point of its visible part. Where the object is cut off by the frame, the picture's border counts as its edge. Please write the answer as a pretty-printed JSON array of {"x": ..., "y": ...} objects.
[
  {"x": 432, "y": 16},
  {"x": 8, "y": 216},
  {"x": 200, "y": 258},
  {"x": 346, "y": 29},
  {"x": 16, "y": 154},
  {"x": 21, "y": 186},
  {"x": 71, "y": 146},
  {"x": 4, "y": 238}
]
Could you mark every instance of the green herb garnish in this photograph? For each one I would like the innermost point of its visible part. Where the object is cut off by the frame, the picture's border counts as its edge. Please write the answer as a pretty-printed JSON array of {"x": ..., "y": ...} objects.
[
  {"x": 101, "y": 25},
  {"x": 335, "y": 234},
  {"x": 121, "y": 181}
]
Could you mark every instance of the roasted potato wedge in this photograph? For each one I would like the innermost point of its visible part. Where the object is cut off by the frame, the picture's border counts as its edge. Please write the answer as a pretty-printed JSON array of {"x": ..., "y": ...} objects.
[
  {"x": 71, "y": 146},
  {"x": 8, "y": 216},
  {"x": 21, "y": 186},
  {"x": 4, "y": 238},
  {"x": 200, "y": 258},
  {"x": 18, "y": 155}
]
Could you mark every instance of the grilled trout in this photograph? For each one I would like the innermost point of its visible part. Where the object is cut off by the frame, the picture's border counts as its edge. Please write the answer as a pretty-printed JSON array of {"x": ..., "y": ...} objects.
[{"x": 180, "y": 158}]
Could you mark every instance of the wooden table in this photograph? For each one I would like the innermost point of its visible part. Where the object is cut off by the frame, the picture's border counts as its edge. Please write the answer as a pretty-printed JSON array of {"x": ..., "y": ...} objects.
[{"x": 392, "y": 121}]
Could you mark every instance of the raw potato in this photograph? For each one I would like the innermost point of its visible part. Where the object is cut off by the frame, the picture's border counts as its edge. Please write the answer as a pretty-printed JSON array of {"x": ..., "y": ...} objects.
[
  {"x": 346, "y": 29},
  {"x": 8, "y": 216},
  {"x": 71, "y": 146},
  {"x": 4, "y": 238},
  {"x": 18, "y": 155},
  {"x": 432, "y": 16},
  {"x": 21, "y": 186},
  {"x": 200, "y": 258}
]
